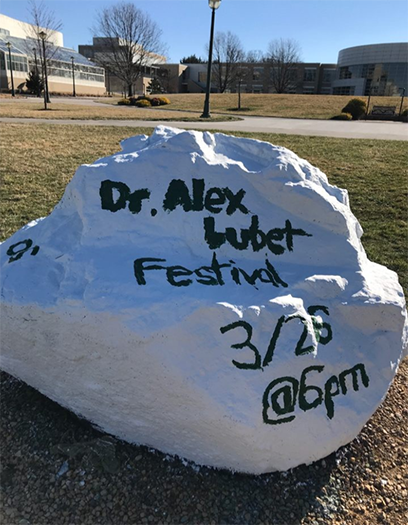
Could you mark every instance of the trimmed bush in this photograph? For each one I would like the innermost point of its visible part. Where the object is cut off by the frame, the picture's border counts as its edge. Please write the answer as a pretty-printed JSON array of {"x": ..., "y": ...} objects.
[
  {"x": 143, "y": 103},
  {"x": 124, "y": 102},
  {"x": 155, "y": 101},
  {"x": 356, "y": 107},
  {"x": 342, "y": 116},
  {"x": 404, "y": 115},
  {"x": 164, "y": 101}
]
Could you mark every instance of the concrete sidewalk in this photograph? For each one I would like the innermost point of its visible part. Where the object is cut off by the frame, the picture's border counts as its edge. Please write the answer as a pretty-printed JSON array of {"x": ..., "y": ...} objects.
[{"x": 325, "y": 128}]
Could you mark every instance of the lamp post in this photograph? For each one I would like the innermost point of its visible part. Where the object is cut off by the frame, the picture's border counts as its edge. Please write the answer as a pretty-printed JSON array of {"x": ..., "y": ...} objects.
[
  {"x": 402, "y": 100},
  {"x": 73, "y": 77},
  {"x": 8, "y": 44},
  {"x": 43, "y": 37},
  {"x": 213, "y": 4}
]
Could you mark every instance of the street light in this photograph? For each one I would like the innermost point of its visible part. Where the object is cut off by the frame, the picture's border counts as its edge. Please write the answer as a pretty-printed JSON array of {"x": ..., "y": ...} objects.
[
  {"x": 73, "y": 77},
  {"x": 402, "y": 99},
  {"x": 43, "y": 37},
  {"x": 8, "y": 44},
  {"x": 213, "y": 4}
]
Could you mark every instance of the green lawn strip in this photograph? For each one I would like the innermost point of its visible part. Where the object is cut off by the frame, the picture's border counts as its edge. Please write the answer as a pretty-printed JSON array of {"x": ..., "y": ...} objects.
[
  {"x": 38, "y": 162},
  {"x": 63, "y": 111},
  {"x": 264, "y": 105},
  {"x": 276, "y": 105}
]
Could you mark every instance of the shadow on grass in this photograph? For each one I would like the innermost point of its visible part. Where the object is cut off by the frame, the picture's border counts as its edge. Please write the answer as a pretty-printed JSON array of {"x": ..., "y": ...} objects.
[{"x": 239, "y": 109}]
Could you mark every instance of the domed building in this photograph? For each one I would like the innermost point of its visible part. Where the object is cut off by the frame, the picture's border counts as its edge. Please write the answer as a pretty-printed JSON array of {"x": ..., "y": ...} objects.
[{"x": 376, "y": 69}]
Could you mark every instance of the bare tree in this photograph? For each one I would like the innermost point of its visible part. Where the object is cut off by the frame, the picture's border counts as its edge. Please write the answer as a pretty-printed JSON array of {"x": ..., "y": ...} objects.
[
  {"x": 42, "y": 21},
  {"x": 228, "y": 55},
  {"x": 130, "y": 41},
  {"x": 255, "y": 55},
  {"x": 283, "y": 55},
  {"x": 242, "y": 76}
]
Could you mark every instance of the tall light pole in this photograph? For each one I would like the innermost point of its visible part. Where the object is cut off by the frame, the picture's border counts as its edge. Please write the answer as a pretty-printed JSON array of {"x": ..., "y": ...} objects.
[
  {"x": 8, "y": 44},
  {"x": 73, "y": 77},
  {"x": 213, "y": 4},
  {"x": 43, "y": 37}
]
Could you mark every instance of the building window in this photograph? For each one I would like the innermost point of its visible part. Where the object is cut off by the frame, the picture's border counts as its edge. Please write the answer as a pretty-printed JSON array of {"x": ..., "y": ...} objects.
[
  {"x": 58, "y": 68},
  {"x": 309, "y": 74},
  {"x": 202, "y": 77},
  {"x": 328, "y": 76},
  {"x": 18, "y": 63},
  {"x": 344, "y": 90},
  {"x": 367, "y": 70},
  {"x": 242, "y": 74},
  {"x": 293, "y": 74},
  {"x": 257, "y": 73},
  {"x": 344, "y": 73}
]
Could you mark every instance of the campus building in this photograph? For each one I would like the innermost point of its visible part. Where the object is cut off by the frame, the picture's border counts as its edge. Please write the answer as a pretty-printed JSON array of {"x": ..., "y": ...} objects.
[
  {"x": 18, "y": 39},
  {"x": 304, "y": 78},
  {"x": 99, "y": 51},
  {"x": 255, "y": 77},
  {"x": 376, "y": 69}
]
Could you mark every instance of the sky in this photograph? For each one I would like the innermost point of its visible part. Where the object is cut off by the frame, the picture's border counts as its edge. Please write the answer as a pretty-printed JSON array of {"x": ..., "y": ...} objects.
[{"x": 321, "y": 27}]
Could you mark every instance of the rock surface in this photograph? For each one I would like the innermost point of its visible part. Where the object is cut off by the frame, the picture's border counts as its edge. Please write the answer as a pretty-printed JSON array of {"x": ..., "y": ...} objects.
[{"x": 208, "y": 296}]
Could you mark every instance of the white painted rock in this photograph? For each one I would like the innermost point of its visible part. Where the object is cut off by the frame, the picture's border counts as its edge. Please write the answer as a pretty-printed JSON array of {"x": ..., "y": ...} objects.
[{"x": 207, "y": 296}]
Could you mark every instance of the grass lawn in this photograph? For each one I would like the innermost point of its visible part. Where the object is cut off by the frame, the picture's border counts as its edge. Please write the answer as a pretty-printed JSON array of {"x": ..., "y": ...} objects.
[
  {"x": 77, "y": 112},
  {"x": 272, "y": 105},
  {"x": 38, "y": 161},
  {"x": 188, "y": 107}
]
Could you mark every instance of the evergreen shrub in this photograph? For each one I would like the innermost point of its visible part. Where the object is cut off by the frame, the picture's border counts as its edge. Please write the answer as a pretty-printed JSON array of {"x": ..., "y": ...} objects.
[{"x": 356, "y": 107}]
